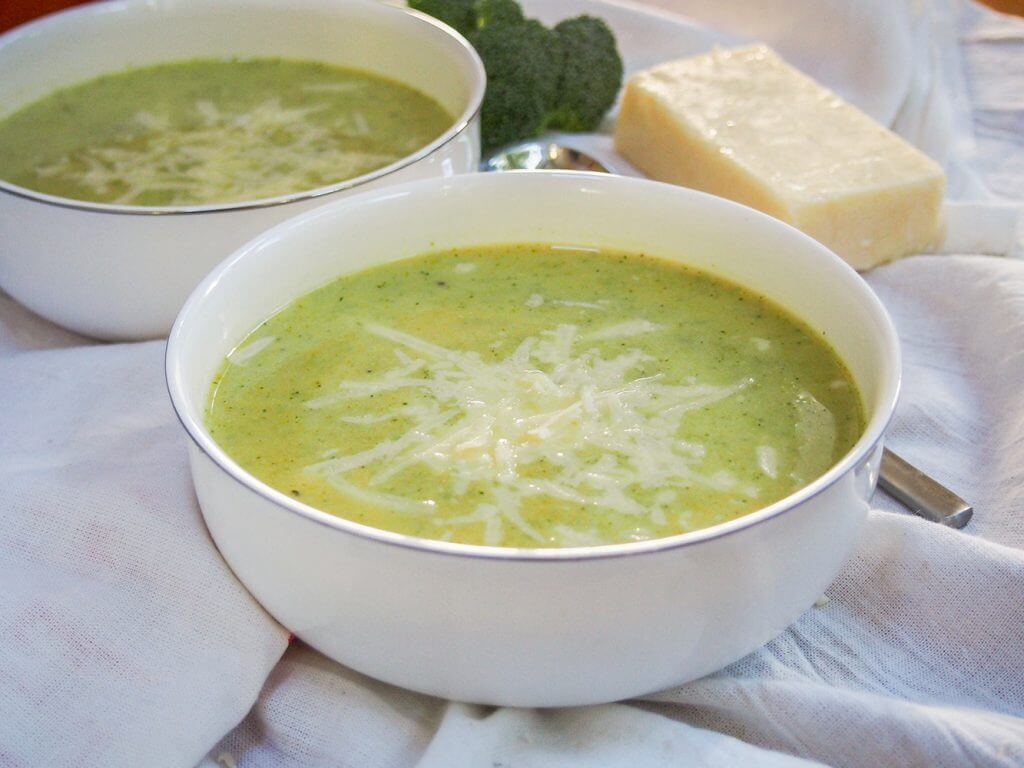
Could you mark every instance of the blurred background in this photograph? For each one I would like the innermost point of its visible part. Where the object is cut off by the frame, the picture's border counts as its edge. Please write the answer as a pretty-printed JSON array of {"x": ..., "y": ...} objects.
[{"x": 15, "y": 12}]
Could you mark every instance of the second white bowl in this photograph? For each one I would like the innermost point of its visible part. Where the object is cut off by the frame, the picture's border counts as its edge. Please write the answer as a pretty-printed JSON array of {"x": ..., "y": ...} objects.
[{"x": 122, "y": 272}]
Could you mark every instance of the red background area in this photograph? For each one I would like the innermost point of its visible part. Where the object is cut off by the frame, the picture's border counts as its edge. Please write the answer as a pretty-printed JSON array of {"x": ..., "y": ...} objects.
[{"x": 15, "y": 12}]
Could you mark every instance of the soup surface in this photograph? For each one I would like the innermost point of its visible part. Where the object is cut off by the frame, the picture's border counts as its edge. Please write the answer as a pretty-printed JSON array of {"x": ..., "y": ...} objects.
[
  {"x": 214, "y": 131},
  {"x": 534, "y": 396}
]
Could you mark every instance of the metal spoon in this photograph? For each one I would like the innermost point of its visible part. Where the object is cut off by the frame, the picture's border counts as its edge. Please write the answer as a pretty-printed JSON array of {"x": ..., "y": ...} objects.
[
  {"x": 540, "y": 156},
  {"x": 921, "y": 494},
  {"x": 911, "y": 487}
]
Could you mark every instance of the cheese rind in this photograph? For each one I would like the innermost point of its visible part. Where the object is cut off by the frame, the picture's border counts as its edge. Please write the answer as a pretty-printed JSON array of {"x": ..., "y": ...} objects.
[{"x": 745, "y": 125}]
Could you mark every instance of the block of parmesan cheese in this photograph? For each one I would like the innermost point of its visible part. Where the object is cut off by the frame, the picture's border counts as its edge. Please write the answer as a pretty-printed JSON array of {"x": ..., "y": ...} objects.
[{"x": 745, "y": 125}]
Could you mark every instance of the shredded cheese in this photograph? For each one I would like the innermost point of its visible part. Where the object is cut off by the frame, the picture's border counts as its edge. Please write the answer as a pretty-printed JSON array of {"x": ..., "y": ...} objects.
[
  {"x": 768, "y": 460},
  {"x": 242, "y": 355},
  {"x": 553, "y": 419},
  {"x": 816, "y": 435},
  {"x": 536, "y": 300},
  {"x": 264, "y": 151}
]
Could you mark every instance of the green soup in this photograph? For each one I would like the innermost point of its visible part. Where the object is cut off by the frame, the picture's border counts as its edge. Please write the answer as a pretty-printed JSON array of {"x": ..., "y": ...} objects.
[
  {"x": 534, "y": 396},
  {"x": 212, "y": 131}
]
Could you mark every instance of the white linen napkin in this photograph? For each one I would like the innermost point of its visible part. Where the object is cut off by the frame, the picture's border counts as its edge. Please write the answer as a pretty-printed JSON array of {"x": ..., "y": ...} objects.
[
  {"x": 127, "y": 642},
  {"x": 584, "y": 737}
]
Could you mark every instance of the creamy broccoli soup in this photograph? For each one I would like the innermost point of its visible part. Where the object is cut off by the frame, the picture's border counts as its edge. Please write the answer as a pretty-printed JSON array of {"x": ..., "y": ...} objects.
[
  {"x": 534, "y": 396},
  {"x": 214, "y": 131}
]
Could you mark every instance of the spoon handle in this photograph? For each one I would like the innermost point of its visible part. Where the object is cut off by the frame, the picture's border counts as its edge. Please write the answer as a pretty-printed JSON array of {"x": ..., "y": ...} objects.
[{"x": 921, "y": 494}]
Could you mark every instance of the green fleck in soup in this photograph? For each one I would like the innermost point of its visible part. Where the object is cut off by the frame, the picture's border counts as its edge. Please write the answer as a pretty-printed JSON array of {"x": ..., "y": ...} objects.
[
  {"x": 214, "y": 131},
  {"x": 533, "y": 396}
]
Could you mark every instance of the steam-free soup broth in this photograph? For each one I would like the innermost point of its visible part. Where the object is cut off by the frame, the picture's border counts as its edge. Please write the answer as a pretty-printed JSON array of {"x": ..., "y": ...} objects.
[
  {"x": 214, "y": 131},
  {"x": 534, "y": 396}
]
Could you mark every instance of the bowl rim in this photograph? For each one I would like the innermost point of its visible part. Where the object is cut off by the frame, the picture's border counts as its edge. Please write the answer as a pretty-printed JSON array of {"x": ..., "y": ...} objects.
[
  {"x": 456, "y": 129},
  {"x": 871, "y": 437}
]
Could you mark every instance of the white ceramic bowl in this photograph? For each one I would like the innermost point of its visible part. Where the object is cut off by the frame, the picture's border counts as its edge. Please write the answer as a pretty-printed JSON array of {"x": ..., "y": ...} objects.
[
  {"x": 519, "y": 626},
  {"x": 122, "y": 272}
]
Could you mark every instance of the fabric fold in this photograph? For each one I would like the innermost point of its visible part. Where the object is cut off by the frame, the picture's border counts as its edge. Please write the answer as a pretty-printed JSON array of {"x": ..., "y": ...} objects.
[{"x": 127, "y": 640}]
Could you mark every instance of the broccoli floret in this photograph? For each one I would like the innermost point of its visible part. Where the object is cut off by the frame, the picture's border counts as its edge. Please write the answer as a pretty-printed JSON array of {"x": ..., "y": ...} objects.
[
  {"x": 497, "y": 12},
  {"x": 469, "y": 15},
  {"x": 537, "y": 78},
  {"x": 459, "y": 14},
  {"x": 522, "y": 67},
  {"x": 591, "y": 74}
]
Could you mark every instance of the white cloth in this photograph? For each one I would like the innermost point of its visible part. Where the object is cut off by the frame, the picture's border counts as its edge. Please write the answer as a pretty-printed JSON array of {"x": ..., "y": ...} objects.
[
  {"x": 126, "y": 639},
  {"x": 127, "y": 642},
  {"x": 588, "y": 737}
]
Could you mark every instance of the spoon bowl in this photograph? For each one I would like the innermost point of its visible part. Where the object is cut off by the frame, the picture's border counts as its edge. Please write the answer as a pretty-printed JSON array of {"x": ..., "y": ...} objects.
[{"x": 540, "y": 156}]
